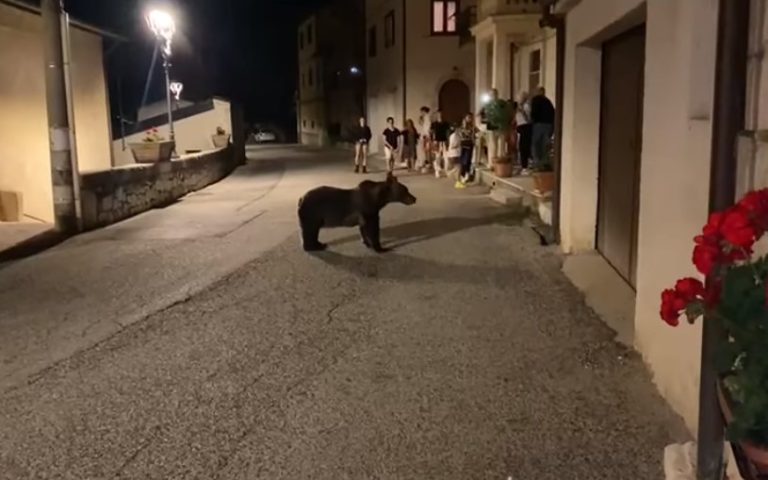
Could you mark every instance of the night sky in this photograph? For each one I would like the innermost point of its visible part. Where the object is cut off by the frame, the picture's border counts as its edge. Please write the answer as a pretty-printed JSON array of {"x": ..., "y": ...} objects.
[{"x": 244, "y": 50}]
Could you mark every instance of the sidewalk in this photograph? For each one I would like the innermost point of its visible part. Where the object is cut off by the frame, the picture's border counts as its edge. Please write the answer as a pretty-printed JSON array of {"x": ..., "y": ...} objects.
[{"x": 81, "y": 292}]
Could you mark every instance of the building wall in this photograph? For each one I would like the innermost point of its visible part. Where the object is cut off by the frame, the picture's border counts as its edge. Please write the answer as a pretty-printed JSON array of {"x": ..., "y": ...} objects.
[
  {"x": 192, "y": 133},
  {"x": 428, "y": 71},
  {"x": 430, "y": 62},
  {"x": 24, "y": 154},
  {"x": 679, "y": 70},
  {"x": 384, "y": 72}
]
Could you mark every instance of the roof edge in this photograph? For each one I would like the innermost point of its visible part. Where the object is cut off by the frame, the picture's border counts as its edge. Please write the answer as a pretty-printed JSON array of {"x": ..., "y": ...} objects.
[{"x": 76, "y": 23}]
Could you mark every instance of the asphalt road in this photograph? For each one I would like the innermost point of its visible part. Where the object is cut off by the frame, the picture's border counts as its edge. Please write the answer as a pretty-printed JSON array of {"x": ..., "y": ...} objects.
[{"x": 462, "y": 354}]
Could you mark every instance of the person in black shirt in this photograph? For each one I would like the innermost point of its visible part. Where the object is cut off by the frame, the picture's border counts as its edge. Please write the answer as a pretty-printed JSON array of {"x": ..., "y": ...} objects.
[
  {"x": 410, "y": 143},
  {"x": 440, "y": 130},
  {"x": 391, "y": 143},
  {"x": 362, "y": 139},
  {"x": 543, "y": 120}
]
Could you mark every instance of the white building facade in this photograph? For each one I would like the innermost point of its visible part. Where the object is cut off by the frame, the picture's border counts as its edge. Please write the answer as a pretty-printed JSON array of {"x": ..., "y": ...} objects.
[{"x": 415, "y": 58}]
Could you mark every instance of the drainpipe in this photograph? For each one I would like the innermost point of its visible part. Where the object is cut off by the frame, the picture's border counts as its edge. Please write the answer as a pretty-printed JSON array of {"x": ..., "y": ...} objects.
[
  {"x": 558, "y": 23},
  {"x": 58, "y": 119},
  {"x": 728, "y": 119},
  {"x": 405, "y": 66},
  {"x": 67, "y": 56}
]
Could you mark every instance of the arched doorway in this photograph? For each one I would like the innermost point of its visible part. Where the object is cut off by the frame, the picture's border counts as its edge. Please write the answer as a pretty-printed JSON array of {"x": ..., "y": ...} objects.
[{"x": 454, "y": 101}]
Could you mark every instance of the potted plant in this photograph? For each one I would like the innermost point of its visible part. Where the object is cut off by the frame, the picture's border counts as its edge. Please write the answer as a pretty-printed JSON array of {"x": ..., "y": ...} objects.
[
  {"x": 221, "y": 138},
  {"x": 734, "y": 295},
  {"x": 544, "y": 174},
  {"x": 153, "y": 148},
  {"x": 500, "y": 119}
]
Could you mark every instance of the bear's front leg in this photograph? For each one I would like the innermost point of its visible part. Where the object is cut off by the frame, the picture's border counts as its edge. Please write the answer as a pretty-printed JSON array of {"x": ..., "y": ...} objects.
[{"x": 372, "y": 232}]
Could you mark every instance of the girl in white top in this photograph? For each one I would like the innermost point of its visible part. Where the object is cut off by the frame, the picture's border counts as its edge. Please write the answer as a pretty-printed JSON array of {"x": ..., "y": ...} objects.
[{"x": 454, "y": 151}]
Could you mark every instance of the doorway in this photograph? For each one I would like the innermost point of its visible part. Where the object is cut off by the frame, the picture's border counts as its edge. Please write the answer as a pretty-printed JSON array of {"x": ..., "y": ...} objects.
[
  {"x": 454, "y": 101},
  {"x": 621, "y": 124}
]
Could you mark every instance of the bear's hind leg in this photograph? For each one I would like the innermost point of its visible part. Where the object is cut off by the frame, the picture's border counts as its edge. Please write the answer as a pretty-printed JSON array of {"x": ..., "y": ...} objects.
[{"x": 310, "y": 237}]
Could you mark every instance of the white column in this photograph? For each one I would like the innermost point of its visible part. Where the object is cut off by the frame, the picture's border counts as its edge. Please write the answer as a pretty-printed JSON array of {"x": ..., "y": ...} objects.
[
  {"x": 501, "y": 65},
  {"x": 480, "y": 68}
]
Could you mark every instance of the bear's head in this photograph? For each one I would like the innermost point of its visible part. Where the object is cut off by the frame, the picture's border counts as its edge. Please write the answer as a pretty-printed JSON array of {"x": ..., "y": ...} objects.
[{"x": 397, "y": 192}]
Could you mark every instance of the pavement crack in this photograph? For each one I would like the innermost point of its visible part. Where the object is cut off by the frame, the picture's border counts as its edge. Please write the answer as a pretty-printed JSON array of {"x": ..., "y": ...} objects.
[
  {"x": 132, "y": 458},
  {"x": 336, "y": 305}
]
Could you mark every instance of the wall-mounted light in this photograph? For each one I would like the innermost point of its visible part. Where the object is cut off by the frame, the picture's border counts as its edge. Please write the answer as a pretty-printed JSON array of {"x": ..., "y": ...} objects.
[
  {"x": 485, "y": 98},
  {"x": 354, "y": 70}
]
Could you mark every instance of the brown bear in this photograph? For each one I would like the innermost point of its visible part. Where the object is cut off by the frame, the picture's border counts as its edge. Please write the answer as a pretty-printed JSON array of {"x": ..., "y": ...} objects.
[{"x": 330, "y": 207}]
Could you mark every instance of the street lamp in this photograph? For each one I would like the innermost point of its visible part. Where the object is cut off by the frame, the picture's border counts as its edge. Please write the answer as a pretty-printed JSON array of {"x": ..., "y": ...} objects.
[
  {"x": 162, "y": 25},
  {"x": 176, "y": 89}
]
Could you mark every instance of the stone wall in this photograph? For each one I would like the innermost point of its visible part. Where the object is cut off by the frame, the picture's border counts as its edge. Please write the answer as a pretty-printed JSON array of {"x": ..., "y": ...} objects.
[{"x": 109, "y": 196}]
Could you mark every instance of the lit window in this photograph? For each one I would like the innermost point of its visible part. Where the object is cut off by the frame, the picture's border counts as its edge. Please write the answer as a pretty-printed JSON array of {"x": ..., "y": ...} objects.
[{"x": 444, "y": 14}]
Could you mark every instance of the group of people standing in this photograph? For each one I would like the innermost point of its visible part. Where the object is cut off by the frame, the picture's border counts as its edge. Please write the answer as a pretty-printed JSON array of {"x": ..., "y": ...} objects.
[
  {"x": 526, "y": 124},
  {"x": 431, "y": 143}
]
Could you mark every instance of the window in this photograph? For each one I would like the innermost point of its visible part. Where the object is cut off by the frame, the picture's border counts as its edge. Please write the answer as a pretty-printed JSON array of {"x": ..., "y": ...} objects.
[
  {"x": 309, "y": 34},
  {"x": 444, "y": 13},
  {"x": 301, "y": 40},
  {"x": 534, "y": 70},
  {"x": 311, "y": 79},
  {"x": 372, "y": 42},
  {"x": 313, "y": 124},
  {"x": 389, "y": 30},
  {"x": 304, "y": 123}
]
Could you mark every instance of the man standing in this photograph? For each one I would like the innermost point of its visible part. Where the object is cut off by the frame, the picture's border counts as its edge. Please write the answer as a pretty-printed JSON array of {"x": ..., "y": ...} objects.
[
  {"x": 425, "y": 131},
  {"x": 362, "y": 139},
  {"x": 391, "y": 142},
  {"x": 440, "y": 129},
  {"x": 543, "y": 120}
]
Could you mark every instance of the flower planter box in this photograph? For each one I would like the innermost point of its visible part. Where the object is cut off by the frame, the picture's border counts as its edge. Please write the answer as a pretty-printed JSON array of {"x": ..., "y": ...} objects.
[
  {"x": 757, "y": 456},
  {"x": 544, "y": 181},
  {"x": 152, "y": 152},
  {"x": 220, "y": 141}
]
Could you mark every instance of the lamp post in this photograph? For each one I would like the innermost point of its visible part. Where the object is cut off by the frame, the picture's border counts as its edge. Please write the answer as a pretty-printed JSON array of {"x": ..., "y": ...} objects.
[{"x": 162, "y": 25}]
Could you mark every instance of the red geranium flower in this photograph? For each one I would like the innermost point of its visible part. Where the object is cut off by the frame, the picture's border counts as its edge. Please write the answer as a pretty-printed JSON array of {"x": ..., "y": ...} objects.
[
  {"x": 670, "y": 311},
  {"x": 705, "y": 257},
  {"x": 689, "y": 289},
  {"x": 737, "y": 228}
]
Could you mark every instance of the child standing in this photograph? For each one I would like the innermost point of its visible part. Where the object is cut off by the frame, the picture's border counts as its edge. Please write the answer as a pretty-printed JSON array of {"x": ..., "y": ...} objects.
[{"x": 467, "y": 134}]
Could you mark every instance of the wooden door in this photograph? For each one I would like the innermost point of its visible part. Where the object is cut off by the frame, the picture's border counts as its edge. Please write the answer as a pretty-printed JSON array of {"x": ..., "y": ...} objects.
[{"x": 621, "y": 124}]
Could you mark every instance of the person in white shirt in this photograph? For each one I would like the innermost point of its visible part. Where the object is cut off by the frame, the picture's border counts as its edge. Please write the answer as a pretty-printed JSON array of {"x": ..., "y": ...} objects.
[
  {"x": 425, "y": 145},
  {"x": 453, "y": 153}
]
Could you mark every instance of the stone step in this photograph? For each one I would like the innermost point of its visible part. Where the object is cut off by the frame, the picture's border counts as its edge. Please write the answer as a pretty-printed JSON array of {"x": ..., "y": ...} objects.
[{"x": 506, "y": 197}]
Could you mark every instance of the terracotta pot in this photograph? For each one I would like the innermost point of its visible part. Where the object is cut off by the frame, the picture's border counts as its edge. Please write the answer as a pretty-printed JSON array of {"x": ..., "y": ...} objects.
[
  {"x": 152, "y": 152},
  {"x": 220, "y": 141},
  {"x": 758, "y": 456},
  {"x": 502, "y": 169},
  {"x": 544, "y": 181}
]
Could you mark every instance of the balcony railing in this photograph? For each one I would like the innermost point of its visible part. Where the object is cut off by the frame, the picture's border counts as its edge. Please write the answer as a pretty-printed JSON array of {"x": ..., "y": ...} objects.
[{"x": 506, "y": 7}]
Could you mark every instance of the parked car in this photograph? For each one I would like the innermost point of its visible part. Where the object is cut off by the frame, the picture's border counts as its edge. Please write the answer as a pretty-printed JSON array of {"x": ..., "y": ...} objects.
[{"x": 264, "y": 136}]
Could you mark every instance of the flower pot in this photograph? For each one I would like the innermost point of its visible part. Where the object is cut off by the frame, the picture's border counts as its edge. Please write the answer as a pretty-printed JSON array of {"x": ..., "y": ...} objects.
[
  {"x": 502, "y": 169},
  {"x": 544, "y": 181},
  {"x": 757, "y": 456},
  {"x": 220, "y": 141},
  {"x": 152, "y": 152}
]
